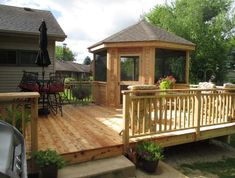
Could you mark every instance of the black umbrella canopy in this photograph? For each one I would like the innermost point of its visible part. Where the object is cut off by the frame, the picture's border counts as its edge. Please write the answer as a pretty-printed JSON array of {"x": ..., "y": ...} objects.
[{"x": 43, "y": 56}]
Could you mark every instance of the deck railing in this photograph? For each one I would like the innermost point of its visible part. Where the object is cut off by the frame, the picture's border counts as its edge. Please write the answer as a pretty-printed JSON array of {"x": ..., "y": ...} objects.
[
  {"x": 149, "y": 112},
  {"x": 73, "y": 93},
  {"x": 21, "y": 110}
]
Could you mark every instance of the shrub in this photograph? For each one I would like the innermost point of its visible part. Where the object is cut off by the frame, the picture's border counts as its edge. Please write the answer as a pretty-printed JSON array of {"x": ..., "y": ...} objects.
[
  {"x": 149, "y": 151},
  {"x": 47, "y": 158}
]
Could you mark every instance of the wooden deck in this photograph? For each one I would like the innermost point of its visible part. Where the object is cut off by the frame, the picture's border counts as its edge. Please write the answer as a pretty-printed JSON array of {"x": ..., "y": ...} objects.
[{"x": 91, "y": 131}]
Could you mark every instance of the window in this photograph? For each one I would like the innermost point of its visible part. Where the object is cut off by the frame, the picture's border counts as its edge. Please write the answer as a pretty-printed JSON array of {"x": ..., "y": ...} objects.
[
  {"x": 27, "y": 57},
  {"x": 17, "y": 57},
  {"x": 101, "y": 66},
  {"x": 8, "y": 57},
  {"x": 129, "y": 68},
  {"x": 170, "y": 62}
]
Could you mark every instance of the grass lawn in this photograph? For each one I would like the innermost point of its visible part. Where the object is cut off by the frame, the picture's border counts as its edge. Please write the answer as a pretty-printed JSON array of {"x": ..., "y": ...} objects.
[
  {"x": 223, "y": 169},
  {"x": 232, "y": 143}
]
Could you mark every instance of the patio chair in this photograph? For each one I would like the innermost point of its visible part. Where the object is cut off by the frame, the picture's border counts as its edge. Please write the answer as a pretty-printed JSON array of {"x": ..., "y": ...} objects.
[
  {"x": 29, "y": 82},
  {"x": 55, "y": 86}
]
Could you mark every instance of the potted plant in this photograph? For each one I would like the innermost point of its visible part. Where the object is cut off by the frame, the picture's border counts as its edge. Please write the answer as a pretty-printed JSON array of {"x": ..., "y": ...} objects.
[
  {"x": 148, "y": 156},
  {"x": 49, "y": 162},
  {"x": 166, "y": 83}
]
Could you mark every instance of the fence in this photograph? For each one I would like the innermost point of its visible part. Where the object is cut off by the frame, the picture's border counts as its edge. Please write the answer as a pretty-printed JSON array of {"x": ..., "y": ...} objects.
[
  {"x": 77, "y": 91},
  {"x": 149, "y": 112}
]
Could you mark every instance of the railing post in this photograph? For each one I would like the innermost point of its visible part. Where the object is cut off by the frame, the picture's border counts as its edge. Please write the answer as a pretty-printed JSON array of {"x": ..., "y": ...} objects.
[
  {"x": 126, "y": 118},
  {"x": 34, "y": 124},
  {"x": 198, "y": 111}
]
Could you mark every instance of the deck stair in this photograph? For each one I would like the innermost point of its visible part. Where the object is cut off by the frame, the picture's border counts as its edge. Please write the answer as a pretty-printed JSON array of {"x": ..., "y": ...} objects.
[{"x": 114, "y": 167}]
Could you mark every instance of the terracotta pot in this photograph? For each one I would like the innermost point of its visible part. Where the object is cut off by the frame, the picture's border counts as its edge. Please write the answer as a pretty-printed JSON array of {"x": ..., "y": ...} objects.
[
  {"x": 49, "y": 172},
  {"x": 148, "y": 166}
]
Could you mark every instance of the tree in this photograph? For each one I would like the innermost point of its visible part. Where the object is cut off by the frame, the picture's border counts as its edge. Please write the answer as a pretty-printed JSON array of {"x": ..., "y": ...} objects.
[
  {"x": 87, "y": 61},
  {"x": 208, "y": 24},
  {"x": 64, "y": 53}
]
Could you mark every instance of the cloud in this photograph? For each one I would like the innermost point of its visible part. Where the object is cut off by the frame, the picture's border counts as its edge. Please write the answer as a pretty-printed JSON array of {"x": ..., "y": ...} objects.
[{"x": 86, "y": 22}]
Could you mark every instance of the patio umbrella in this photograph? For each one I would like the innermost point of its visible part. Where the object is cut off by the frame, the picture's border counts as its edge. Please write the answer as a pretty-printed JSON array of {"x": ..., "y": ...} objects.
[{"x": 43, "y": 59}]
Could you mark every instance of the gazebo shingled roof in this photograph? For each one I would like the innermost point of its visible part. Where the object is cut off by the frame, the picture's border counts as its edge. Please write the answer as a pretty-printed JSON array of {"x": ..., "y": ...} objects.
[{"x": 143, "y": 31}]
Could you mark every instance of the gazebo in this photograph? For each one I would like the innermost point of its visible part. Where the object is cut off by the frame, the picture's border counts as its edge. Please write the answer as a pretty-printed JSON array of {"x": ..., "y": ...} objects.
[{"x": 139, "y": 54}]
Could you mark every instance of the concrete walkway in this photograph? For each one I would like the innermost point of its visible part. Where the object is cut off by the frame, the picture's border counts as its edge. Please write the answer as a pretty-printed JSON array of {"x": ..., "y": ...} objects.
[
  {"x": 164, "y": 171},
  {"x": 116, "y": 167}
]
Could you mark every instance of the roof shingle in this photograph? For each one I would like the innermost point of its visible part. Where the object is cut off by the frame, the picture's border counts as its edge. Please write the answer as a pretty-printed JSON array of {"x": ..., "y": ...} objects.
[
  {"x": 27, "y": 21},
  {"x": 71, "y": 66},
  {"x": 143, "y": 31}
]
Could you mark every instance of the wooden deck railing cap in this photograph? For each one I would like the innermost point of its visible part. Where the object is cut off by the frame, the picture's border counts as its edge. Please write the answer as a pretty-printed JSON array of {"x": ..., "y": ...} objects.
[{"x": 19, "y": 95}]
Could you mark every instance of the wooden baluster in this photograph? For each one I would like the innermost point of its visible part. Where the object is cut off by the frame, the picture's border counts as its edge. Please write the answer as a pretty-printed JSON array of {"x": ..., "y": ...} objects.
[
  {"x": 150, "y": 118},
  {"x": 189, "y": 110},
  {"x": 175, "y": 110},
  {"x": 126, "y": 105},
  {"x": 170, "y": 107},
  {"x": 160, "y": 114},
  {"x": 23, "y": 118},
  {"x": 180, "y": 112},
  {"x": 224, "y": 107},
  {"x": 193, "y": 111},
  {"x": 209, "y": 111},
  {"x": 14, "y": 113},
  {"x": 165, "y": 113},
  {"x": 138, "y": 117},
  {"x": 198, "y": 111},
  {"x": 132, "y": 118},
  {"x": 184, "y": 111},
  {"x": 34, "y": 124},
  {"x": 206, "y": 109},
  {"x": 144, "y": 117},
  {"x": 155, "y": 115}
]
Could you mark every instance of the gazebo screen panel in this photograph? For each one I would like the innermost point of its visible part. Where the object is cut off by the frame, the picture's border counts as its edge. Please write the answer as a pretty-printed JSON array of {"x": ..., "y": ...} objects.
[
  {"x": 101, "y": 66},
  {"x": 170, "y": 62}
]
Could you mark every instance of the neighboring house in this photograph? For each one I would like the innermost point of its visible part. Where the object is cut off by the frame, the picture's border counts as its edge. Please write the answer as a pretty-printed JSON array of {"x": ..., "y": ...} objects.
[
  {"x": 72, "y": 69},
  {"x": 19, "y": 43},
  {"x": 139, "y": 54}
]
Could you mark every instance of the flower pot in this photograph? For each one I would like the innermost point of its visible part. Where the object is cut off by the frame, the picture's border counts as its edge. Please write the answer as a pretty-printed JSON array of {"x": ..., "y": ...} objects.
[
  {"x": 148, "y": 166},
  {"x": 33, "y": 175},
  {"x": 49, "y": 172}
]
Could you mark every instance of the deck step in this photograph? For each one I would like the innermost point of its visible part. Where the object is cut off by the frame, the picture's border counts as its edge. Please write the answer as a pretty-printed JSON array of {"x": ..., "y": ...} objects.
[{"x": 114, "y": 167}]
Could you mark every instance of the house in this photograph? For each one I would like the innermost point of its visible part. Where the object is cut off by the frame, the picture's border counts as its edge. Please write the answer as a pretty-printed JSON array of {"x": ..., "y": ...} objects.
[
  {"x": 139, "y": 54},
  {"x": 19, "y": 43},
  {"x": 72, "y": 70}
]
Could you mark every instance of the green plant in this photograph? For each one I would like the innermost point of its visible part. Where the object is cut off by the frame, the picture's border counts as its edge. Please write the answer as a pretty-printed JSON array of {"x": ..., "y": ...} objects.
[
  {"x": 166, "y": 83},
  {"x": 47, "y": 158},
  {"x": 81, "y": 92},
  {"x": 9, "y": 114},
  {"x": 150, "y": 151}
]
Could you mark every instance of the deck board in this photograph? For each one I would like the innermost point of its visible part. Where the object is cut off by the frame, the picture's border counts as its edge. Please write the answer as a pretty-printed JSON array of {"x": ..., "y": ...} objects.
[{"x": 80, "y": 128}]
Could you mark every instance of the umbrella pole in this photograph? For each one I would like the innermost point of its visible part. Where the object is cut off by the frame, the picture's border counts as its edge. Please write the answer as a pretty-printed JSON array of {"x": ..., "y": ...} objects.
[{"x": 43, "y": 95}]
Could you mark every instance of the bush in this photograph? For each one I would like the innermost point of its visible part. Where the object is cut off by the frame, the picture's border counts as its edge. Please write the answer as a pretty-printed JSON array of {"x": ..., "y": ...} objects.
[
  {"x": 81, "y": 92},
  {"x": 149, "y": 151},
  {"x": 47, "y": 158}
]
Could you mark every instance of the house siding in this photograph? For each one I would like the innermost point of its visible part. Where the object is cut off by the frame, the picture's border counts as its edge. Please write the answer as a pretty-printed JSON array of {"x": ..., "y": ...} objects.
[{"x": 10, "y": 76}]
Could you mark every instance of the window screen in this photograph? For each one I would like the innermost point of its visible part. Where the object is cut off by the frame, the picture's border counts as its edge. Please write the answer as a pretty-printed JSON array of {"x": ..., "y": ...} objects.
[
  {"x": 170, "y": 62},
  {"x": 129, "y": 68},
  {"x": 101, "y": 66}
]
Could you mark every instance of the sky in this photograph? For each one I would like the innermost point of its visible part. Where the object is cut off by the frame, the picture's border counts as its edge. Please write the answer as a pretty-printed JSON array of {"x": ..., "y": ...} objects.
[{"x": 86, "y": 22}]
